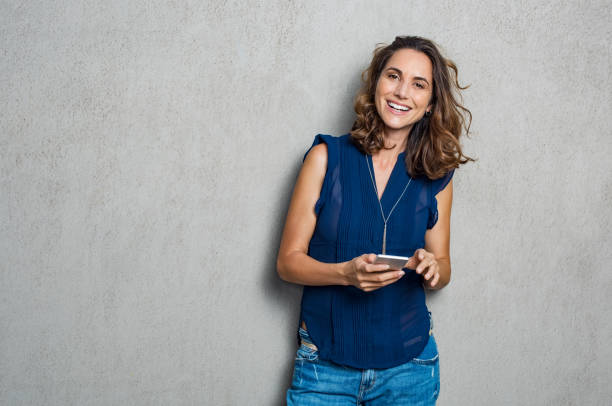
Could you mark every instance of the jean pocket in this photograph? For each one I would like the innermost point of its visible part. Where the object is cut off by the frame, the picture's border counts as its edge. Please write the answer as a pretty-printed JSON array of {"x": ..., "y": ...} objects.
[
  {"x": 306, "y": 350},
  {"x": 306, "y": 353},
  {"x": 429, "y": 355}
]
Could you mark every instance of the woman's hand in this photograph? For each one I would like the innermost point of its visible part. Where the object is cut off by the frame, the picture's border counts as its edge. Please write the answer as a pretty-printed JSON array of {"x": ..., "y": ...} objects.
[
  {"x": 424, "y": 263},
  {"x": 362, "y": 273}
]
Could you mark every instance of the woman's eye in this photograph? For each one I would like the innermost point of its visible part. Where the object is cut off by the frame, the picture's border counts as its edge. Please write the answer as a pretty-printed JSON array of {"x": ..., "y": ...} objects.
[
  {"x": 393, "y": 76},
  {"x": 419, "y": 85}
]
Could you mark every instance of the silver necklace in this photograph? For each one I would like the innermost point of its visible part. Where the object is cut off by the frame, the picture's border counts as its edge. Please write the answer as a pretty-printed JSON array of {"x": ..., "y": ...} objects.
[{"x": 382, "y": 213}]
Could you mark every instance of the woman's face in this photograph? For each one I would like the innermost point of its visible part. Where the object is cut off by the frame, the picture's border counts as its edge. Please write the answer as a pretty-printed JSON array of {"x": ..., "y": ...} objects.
[{"x": 403, "y": 90}]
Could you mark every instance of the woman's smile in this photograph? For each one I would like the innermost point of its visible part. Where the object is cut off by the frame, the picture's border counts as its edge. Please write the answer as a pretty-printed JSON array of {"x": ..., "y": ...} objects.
[{"x": 397, "y": 108}]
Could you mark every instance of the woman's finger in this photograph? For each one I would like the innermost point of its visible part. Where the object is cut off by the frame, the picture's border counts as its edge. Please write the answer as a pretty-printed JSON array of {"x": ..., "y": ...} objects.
[
  {"x": 430, "y": 273},
  {"x": 435, "y": 280},
  {"x": 380, "y": 277},
  {"x": 394, "y": 276},
  {"x": 417, "y": 259},
  {"x": 411, "y": 263},
  {"x": 375, "y": 267},
  {"x": 432, "y": 269},
  {"x": 369, "y": 258},
  {"x": 389, "y": 277},
  {"x": 421, "y": 254},
  {"x": 421, "y": 267},
  {"x": 426, "y": 263}
]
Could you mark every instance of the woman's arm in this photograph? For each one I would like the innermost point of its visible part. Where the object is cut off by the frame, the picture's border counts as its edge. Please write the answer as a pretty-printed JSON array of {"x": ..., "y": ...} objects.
[
  {"x": 437, "y": 239},
  {"x": 433, "y": 262},
  {"x": 294, "y": 265}
]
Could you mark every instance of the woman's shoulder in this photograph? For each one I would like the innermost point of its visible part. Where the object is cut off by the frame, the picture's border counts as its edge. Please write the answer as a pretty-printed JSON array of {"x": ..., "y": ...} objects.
[
  {"x": 344, "y": 138},
  {"x": 440, "y": 183},
  {"x": 318, "y": 154},
  {"x": 328, "y": 144},
  {"x": 319, "y": 147}
]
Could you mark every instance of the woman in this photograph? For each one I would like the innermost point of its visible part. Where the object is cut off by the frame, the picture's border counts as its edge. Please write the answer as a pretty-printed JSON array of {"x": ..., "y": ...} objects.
[{"x": 384, "y": 188}]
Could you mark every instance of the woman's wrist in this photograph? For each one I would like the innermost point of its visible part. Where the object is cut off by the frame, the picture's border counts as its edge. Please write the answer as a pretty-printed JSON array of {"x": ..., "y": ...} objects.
[{"x": 343, "y": 272}]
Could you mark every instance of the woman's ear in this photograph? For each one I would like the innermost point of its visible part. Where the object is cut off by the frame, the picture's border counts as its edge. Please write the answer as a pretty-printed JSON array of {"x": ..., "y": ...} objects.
[{"x": 430, "y": 106}]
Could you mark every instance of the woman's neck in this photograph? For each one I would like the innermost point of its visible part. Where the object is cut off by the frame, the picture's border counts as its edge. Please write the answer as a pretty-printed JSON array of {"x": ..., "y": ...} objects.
[{"x": 397, "y": 140}]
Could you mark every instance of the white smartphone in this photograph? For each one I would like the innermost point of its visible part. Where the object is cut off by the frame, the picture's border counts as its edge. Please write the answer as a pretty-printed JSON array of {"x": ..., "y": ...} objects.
[{"x": 393, "y": 261}]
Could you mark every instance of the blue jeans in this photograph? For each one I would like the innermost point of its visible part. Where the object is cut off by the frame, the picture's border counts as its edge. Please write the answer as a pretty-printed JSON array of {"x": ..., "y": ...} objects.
[{"x": 319, "y": 382}]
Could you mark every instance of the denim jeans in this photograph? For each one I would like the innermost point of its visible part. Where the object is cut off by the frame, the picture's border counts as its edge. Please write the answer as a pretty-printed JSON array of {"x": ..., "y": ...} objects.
[{"x": 320, "y": 382}]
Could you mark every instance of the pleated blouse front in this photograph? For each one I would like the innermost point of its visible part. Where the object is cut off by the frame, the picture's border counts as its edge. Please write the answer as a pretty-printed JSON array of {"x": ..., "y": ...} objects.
[{"x": 388, "y": 326}]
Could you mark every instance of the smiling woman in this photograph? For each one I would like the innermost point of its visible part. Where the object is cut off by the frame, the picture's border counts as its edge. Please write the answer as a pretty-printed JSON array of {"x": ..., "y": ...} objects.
[
  {"x": 365, "y": 334},
  {"x": 403, "y": 92}
]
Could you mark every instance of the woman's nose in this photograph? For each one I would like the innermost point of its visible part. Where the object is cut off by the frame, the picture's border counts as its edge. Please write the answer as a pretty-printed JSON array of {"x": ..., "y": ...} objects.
[{"x": 402, "y": 90}]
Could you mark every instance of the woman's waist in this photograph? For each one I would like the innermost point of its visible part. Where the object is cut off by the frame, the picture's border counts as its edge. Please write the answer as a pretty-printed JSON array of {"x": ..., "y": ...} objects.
[{"x": 381, "y": 340}]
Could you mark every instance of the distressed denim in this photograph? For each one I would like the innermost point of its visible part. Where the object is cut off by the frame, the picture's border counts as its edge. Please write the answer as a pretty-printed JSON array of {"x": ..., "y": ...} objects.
[{"x": 319, "y": 382}]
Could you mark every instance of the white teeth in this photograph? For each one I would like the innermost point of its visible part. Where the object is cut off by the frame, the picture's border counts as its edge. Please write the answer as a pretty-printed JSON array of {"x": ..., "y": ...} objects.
[{"x": 398, "y": 107}]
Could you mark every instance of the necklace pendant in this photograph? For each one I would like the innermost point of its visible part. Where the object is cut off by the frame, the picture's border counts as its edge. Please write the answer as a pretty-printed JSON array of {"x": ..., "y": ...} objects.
[{"x": 384, "y": 247}]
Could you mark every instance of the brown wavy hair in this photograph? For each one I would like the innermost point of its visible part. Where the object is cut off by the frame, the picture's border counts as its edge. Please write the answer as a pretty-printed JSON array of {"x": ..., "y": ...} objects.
[{"x": 432, "y": 147}]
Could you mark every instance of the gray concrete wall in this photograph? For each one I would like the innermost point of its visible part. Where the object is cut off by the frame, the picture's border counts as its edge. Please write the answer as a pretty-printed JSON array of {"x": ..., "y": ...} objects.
[{"x": 148, "y": 151}]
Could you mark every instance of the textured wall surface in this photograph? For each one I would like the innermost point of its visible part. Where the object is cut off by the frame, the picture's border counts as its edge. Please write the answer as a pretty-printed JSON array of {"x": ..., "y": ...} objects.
[{"x": 149, "y": 148}]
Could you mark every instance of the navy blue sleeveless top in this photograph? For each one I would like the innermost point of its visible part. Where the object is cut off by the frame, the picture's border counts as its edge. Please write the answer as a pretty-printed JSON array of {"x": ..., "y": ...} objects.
[{"x": 388, "y": 326}]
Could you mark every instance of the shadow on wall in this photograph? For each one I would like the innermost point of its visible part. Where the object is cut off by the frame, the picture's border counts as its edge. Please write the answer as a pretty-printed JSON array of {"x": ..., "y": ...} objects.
[{"x": 286, "y": 295}]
